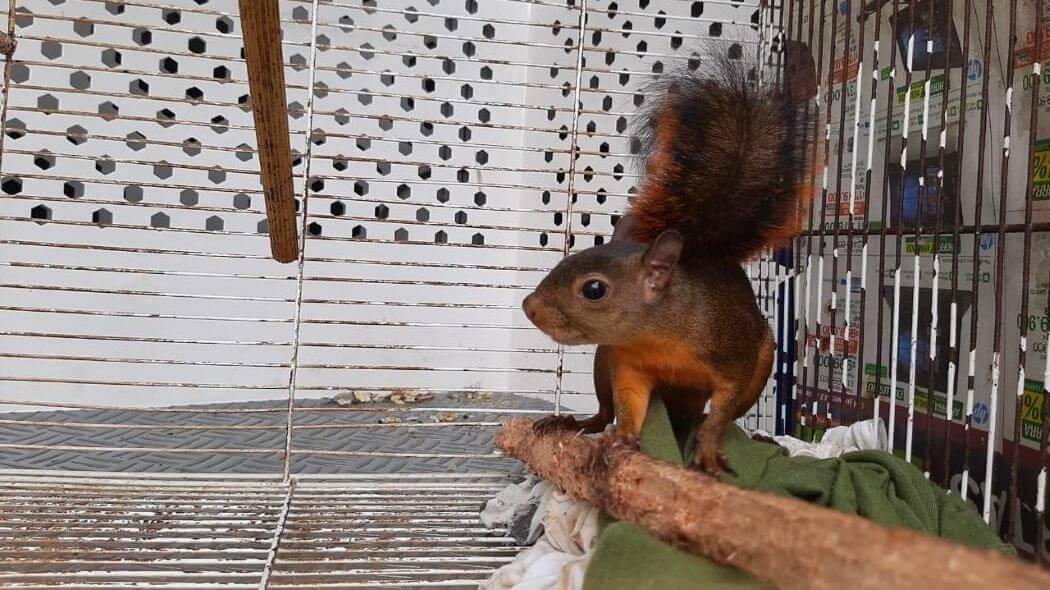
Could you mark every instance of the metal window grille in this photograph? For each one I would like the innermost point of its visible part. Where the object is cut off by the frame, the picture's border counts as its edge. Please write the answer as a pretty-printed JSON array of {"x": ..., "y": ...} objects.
[{"x": 919, "y": 286}]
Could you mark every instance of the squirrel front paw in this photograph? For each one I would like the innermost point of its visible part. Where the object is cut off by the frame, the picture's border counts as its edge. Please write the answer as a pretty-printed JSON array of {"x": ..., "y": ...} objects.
[
  {"x": 554, "y": 424},
  {"x": 712, "y": 460}
]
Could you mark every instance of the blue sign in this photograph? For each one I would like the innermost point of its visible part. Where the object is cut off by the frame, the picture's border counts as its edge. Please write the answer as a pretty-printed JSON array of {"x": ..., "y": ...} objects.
[
  {"x": 981, "y": 412},
  {"x": 973, "y": 70}
]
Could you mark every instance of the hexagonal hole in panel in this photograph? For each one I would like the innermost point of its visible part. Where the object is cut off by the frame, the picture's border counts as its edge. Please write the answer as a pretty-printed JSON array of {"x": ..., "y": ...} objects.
[
  {"x": 169, "y": 65},
  {"x": 337, "y": 208},
  {"x": 340, "y": 163},
  {"x": 443, "y": 195},
  {"x": 80, "y": 80},
  {"x": 142, "y": 36},
  {"x": 40, "y": 213},
  {"x": 162, "y": 170},
  {"x": 314, "y": 228},
  {"x": 194, "y": 94},
  {"x": 461, "y": 217},
  {"x": 424, "y": 172},
  {"x": 383, "y": 168},
  {"x": 171, "y": 16},
  {"x": 109, "y": 111},
  {"x": 19, "y": 73},
  {"x": 83, "y": 27},
  {"x": 363, "y": 144},
  {"x": 382, "y": 212},
  {"x": 224, "y": 24},
  {"x": 361, "y": 187},
  {"x": 342, "y": 116},
  {"x": 242, "y": 201},
  {"x": 191, "y": 146},
  {"x": 245, "y": 152},
  {"x": 221, "y": 73},
  {"x": 217, "y": 175},
  {"x": 197, "y": 45},
  {"x": 189, "y": 197},
  {"x": 220, "y": 124},
  {"x": 16, "y": 129},
  {"x": 11, "y": 185},
  {"x": 44, "y": 160},
  {"x": 166, "y": 117},
  {"x": 401, "y": 235},
  {"x": 160, "y": 219},
  {"x": 404, "y": 191},
  {"x": 76, "y": 135},
  {"x": 139, "y": 87},
  {"x": 135, "y": 140},
  {"x": 133, "y": 193},
  {"x": 73, "y": 189},
  {"x": 477, "y": 239},
  {"x": 51, "y": 49},
  {"x": 214, "y": 223},
  {"x": 480, "y": 198},
  {"x": 441, "y": 237},
  {"x": 47, "y": 103},
  {"x": 262, "y": 227},
  {"x": 102, "y": 217},
  {"x": 105, "y": 165},
  {"x": 112, "y": 58},
  {"x": 422, "y": 214},
  {"x": 445, "y": 153},
  {"x": 359, "y": 232}
]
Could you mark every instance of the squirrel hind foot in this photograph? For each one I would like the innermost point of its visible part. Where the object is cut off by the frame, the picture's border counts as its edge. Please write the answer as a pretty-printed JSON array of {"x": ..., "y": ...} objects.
[{"x": 554, "y": 424}]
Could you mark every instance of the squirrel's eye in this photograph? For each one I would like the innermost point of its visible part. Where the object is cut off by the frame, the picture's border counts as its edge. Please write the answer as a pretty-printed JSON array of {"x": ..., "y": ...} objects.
[{"x": 594, "y": 290}]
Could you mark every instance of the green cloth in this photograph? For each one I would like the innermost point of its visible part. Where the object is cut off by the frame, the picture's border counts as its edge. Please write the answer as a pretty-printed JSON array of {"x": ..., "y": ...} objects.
[{"x": 872, "y": 484}]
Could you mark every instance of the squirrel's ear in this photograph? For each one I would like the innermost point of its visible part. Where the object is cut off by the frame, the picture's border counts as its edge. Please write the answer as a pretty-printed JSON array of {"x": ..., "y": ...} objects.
[
  {"x": 624, "y": 230},
  {"x": 659, "y": 260}
]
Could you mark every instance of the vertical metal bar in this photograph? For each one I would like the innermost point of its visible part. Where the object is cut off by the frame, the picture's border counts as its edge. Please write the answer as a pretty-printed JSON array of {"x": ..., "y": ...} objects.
[
  {"x": 917, "y": 281},
  {"x": 934, "y": 315},
  {"x": 978, "y": 204},
  {"x": 838, "y": 209},
  {"x": 278, "y": 532},
  {"x": 828, "y": 97},
  {"x": 9, "y": 46},
  {"x": 822, "y": 97},
  {"x": 867, "y": 204},
  {"x": 1033, "y": 130},
  {"x": 574, "y": 154},
  {"x": 957, "y": 220},
  {"x": 899, "y": 229},
  {"x": 848, "y": 322},
  {"x": 886, "y": 215},
  {"x": 1000, "y": 269},
  {"x": 293, "y": 373},
  {"x": 808, "y": 396},
  {"x": 800, "y": 351}
]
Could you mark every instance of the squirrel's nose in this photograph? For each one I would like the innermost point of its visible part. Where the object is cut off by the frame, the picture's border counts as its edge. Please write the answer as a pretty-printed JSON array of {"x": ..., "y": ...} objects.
[{"x": 529, "y": 307}]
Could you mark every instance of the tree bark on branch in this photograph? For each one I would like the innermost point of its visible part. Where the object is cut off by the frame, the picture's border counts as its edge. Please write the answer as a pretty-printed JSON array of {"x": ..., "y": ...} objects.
[{"x": 783, "y": 541}]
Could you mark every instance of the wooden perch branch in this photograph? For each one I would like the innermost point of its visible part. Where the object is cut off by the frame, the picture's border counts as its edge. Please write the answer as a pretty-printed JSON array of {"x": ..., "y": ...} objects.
[
  {"x": 783, "y": 541},
  {"x": 261, "y": 26}
]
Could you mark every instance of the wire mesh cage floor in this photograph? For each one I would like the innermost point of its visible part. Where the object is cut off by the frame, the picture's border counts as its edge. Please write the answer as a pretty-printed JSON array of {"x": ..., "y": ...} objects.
[{"x": 192, "y": 532}]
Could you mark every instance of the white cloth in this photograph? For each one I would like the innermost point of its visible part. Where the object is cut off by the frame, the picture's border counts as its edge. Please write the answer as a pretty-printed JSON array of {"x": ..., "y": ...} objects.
[
  {"x": 558, "y": 561},
  {"x": 860, "y": 436}
]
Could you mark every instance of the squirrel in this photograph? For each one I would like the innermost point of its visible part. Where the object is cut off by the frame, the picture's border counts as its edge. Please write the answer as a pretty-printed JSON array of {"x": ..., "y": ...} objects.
[{"x": 667, "y": 300}]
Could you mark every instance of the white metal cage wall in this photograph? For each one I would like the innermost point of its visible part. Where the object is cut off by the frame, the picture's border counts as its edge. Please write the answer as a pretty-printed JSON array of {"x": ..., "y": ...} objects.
[{"x": 144, "y": 327}]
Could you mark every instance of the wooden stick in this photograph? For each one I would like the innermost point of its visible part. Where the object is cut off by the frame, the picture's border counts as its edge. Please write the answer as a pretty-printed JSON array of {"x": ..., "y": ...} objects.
[
  {"x": 260, "y": 22},
  {"x": 783, "y": 541}
]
